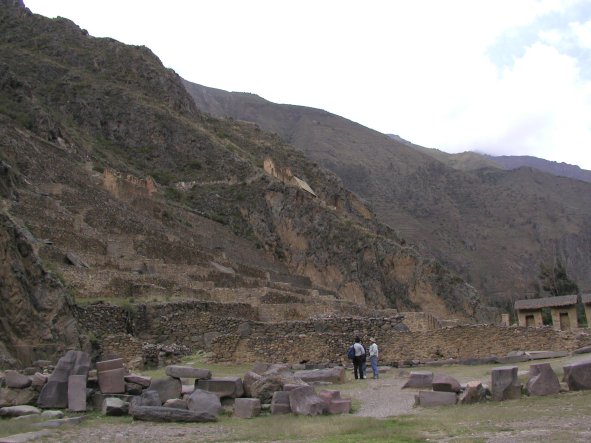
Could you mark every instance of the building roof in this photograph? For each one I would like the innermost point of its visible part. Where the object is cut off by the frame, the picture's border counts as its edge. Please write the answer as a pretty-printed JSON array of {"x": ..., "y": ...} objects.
[
  {"x": 585, "y": 298},
  {"x": 547, "y": 302}
]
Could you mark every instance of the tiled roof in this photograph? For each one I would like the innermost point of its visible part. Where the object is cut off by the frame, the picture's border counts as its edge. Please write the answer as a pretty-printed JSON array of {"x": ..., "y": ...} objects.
[
  {"x": 547, "y": 302},
  {"x": 585, "y": 298}
]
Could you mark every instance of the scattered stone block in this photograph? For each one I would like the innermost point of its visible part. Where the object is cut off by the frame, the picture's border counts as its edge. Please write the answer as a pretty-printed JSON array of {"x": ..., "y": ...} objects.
[
  {"x": 247, "y": 407},
  {"x": 260, "y": 368},
  {"x": 133, "y": 389},
  {"x": 304, "y": 401},
  {"x": 38, "y": 381},
  {"x": 113, "y": 406},
  {"x": 474, "y": 392},
  {"x": 176, "y": 403},
  {"x": 55, "y": 392},
  {"x": 419, "y": 380},
  {"x": 540, "y": 355},
  {"x": 162, "y": 414},
  {"x": 505, "y": 384},
  {"x": 222, "y": 386},
  {"x": 148, "y": 398},
  {"x": 339, "y": 406},
  {"x": 167, "y": 388},
  {"x": 109, "y": 365},
  {"x": 97, "y": 399},
  {"x": 77, "y": 393},
  {"x": 428, "y": 399},
  {"x": 280, "y": 403},
  {"x": 18, "y": 411},
  {"x": 201, "y": 401},
  {"x": 187, "y": 372},
  {"x": 141, "y": 380},
  {"x": 187, "y": 389},
  {"x": 111, "y": 381},
  {"x": 578, "y": 376},
  {"x": 248, "y": 380},
  {"x": 16, "y": 397},
  {"x": 543, "y": 380},
  {"x": 583, "y": 350},
  {"x": 52, "y": 414},
  {"x": 14, "y": 379},
  {"x": 445, "y": 383},
  {"x": 331, "y": 375}
]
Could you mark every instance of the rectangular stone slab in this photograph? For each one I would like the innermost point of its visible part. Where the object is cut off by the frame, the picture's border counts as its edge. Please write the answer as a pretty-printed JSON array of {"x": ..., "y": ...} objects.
[
  {"x": 160, "y": 413},
  {"x": 77, "y": 393},
  {"x": 112, "y": 381},
  {"x": 108, "y": 365}
]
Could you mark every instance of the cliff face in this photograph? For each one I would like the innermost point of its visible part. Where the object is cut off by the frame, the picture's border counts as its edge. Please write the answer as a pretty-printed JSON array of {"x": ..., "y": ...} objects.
[
  {"x": 36, "y": 312},
  {"x": 494, "y": 227},
  {"x": 141, "y": 197}
]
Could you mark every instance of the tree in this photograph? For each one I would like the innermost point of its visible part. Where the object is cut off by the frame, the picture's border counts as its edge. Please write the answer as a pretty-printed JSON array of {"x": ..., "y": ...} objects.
[{"x": 555, "y": 280}]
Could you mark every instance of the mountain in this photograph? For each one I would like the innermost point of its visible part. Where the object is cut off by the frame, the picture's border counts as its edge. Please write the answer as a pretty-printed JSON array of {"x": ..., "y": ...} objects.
[
  {"x": 116, "y": 188},
  {"x": 495, "y": 227},
  {"x": 470, "y": 161},
  {"x": 554, "y": 168}
]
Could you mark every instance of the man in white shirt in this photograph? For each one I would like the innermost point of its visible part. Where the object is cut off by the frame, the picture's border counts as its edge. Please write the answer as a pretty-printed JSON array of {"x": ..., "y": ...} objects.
[
  {"x": 373, "y": 357},
  {"x": 359, "y": 359}
]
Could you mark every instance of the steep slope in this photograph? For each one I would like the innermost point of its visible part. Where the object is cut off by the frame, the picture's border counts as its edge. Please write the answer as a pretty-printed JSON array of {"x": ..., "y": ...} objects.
[
  {"x": 495, "y": 227},
  {"x": 133, "y": 195},
  {"x": 554, "y": 168}
]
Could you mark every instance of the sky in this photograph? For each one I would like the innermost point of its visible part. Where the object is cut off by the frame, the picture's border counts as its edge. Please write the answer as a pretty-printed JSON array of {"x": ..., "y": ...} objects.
[{"x": 498, "y": 77}]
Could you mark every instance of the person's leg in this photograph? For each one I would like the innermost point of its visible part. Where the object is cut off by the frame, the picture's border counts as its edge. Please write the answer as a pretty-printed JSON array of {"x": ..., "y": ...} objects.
[
  {"x": 374, "y": 365},
  {"x": 363, "y": 369},
  {"x": 356, "y": 367}
]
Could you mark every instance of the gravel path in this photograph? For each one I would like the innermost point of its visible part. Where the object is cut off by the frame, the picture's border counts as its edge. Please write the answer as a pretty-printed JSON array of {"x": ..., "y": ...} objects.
[{"x": 383, "y": 397}]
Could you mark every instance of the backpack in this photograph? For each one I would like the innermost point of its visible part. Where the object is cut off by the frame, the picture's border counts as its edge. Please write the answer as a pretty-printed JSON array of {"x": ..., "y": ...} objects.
[{"x": 351, "y": 352}]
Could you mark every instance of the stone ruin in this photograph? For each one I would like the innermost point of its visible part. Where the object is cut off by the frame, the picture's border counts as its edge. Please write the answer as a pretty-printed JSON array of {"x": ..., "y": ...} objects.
[
  {"x": 186, "y": 394},
  {"x": 444, "y": 390}
]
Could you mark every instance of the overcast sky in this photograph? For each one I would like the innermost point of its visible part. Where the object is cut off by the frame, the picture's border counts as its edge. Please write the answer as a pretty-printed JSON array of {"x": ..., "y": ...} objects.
[{"x": 501, "y": 77}]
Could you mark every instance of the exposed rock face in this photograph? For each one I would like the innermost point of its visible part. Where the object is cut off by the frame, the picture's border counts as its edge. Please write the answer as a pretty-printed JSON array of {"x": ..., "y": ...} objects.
[{"x": 34, "y": 305}]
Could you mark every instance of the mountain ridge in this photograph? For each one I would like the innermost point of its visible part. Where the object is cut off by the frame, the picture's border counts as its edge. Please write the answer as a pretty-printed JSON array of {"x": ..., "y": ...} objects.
[{"x": 471, "y": 220}]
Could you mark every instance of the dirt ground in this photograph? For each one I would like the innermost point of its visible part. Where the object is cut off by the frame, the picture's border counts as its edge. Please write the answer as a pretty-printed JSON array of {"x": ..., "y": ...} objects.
[{"x": 566, "y": 417}]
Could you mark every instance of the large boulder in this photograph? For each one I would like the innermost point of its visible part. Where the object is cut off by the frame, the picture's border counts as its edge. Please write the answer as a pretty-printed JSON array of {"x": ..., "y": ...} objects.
[
  {"x": 15, "y": 397},
  {"x": 148, "y": 398},
  {"x": 222, "y": 386},
  {"x": 179, "y": 371},
  {"x": 280, "y": 403},
  {"x": 333, "y": 402},
  {"x": 305, "y": 401},
  {"x": 445, "y": 383},
  {"x": 264, "y": 388},
  {"x": 113, "y": 406},
  {"x": 19, "y": 411},
  {"x": 14, "y": 379},
  {"x": 163, "y": 414},
  {"x": 111, "y": 381},
  {"x": 330, "y": 375},
  {"x": 167, "y": 388},
  {"x": 578, "y": 376},
  {"x": 142, "y": 380},
  {"x": 474, "y": 392},
  {"x": 55, "y": 392},
  {"x": 505, "y": 384},
  {"x": 247, "y": 407},
  {"x": 205, "y": 402},
  {"x": 419, "y": 380},
  {"x": 429, "y": 399},
  {"x": 248, "y": 380},
  {"x": 543, "y": 380}
]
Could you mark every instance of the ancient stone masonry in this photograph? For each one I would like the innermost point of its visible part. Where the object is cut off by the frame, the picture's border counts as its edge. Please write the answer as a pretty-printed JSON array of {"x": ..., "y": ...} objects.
[
  {"x": 395, "y": 347},
  {"x": 563, "y": 309}
]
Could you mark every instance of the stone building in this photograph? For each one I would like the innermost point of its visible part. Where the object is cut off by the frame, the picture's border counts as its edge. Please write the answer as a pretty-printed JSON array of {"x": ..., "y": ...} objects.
[
  {"x": 586, "y": 300},
  {"x": 562, "y": 308}
]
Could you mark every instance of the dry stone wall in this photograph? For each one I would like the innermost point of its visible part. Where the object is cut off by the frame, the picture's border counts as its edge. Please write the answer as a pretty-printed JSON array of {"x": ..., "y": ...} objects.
[{"x": 462, "y": 342}]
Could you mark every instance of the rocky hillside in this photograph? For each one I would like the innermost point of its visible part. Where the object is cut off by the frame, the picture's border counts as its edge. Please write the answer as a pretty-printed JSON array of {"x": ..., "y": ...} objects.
[
  {"x": 493, "y": 226},
  {"x": 128, "y": 193}
]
